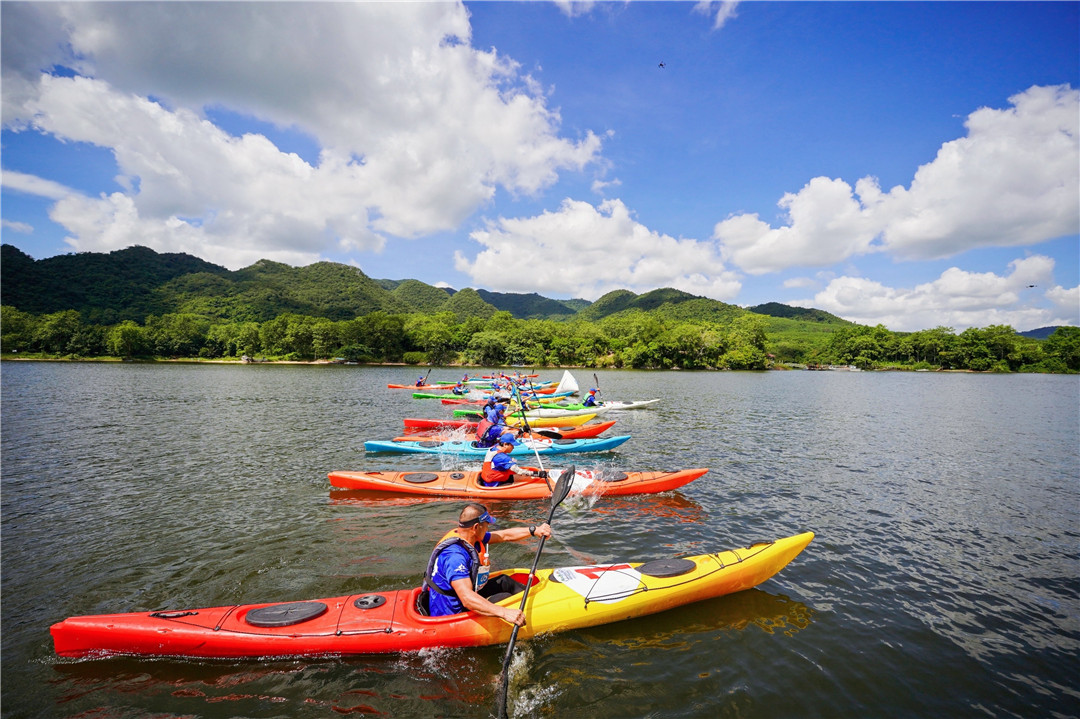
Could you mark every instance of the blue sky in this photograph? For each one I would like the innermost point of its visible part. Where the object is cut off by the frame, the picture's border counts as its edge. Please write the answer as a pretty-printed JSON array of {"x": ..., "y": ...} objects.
[{"x": 903, "y": 163}]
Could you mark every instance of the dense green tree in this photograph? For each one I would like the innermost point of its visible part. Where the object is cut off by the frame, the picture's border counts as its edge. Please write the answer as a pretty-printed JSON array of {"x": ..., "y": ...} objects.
[
  {"x": 487, "y": 348},
  {"x": 384, "y": 334},
  {"x": 177, "y": 335},
  {"x": 17, "y": 329},
  {"x": 55, "y": 331},
  {"x": 127, "y": 339},
  {"x": 1064, "y": 345}
]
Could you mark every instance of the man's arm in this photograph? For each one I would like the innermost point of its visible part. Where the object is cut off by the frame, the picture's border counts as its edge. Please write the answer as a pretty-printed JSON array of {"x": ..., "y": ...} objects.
[
  {"x": 473, "y": 602},
  {"x": 516, "y": 534}
]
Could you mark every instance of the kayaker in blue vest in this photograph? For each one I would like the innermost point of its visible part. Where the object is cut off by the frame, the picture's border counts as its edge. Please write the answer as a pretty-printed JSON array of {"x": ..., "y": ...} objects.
[
  {"x": 420, "y": 381},
  {"x": 457, "y": 576},
  {"x": 590, "y": 401},
  {"x": 495, "y": 411},
  {"x": 488, "y": 433},
  {"x": 500, "y": 468}
]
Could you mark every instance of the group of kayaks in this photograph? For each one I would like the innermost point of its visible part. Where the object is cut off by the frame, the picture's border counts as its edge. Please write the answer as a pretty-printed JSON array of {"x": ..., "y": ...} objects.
[{"x": 558, "y": 599}]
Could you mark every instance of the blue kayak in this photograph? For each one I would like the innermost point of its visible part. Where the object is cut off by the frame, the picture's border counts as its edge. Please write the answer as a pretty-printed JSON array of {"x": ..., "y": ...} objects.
[{"x": 527, "y": 448}]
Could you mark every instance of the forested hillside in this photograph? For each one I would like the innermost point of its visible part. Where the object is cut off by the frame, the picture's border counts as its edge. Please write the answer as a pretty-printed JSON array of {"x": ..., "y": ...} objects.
[{"x": 136, "y": 303}]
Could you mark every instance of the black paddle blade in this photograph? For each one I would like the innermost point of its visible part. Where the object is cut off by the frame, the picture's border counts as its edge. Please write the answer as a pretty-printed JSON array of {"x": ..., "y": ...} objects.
[{"x": 562, "y": 488}]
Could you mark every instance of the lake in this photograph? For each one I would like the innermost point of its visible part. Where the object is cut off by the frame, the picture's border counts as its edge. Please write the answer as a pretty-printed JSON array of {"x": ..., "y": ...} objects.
[{"x": 944, "y": 579}]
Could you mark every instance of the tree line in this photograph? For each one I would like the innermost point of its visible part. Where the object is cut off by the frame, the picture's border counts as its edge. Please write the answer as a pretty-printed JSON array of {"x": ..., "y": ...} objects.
[{"x": 637, "y": 339}]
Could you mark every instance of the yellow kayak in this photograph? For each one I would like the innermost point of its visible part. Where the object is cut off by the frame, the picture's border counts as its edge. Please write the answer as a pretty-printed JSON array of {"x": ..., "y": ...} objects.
[{"x": 395, "y": 621}]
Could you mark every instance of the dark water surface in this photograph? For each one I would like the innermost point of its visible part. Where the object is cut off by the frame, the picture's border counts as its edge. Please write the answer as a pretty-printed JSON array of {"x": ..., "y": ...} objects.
[{"x": 944, "y": 579}]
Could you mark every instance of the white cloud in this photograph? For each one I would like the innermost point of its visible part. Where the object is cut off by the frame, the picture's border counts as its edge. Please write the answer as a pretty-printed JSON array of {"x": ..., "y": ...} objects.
[
  {"x": 1066, "y": 304},
  {"x": 797, "y": 282},
  {"x": 957, "y": 299},
  {"x": 417, "y": 129},
  {"x": 33, "y": 185},
  {"x": 585, "y": 251},
  {"x": 1013, "y": 180},
  {"x": 575, "y": 8},
  {"x": 725, "y": 10},
  {"x": 21, "y": 227}
]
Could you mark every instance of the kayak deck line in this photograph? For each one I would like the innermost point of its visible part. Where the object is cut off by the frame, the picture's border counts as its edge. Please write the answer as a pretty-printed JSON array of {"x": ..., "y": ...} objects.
[{"x": 721, "y": 566}]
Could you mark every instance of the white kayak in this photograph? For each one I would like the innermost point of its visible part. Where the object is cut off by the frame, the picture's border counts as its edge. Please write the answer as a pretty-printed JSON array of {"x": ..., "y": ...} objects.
[{"x": 614, "y": 404}]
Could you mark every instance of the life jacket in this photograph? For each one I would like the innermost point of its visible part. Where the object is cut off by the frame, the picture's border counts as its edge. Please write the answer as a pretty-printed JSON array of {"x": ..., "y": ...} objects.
[
  {"x": 488, "y": 433},
  {"x": 491, "y": 475},
  {"x": 478, "y": 573}
]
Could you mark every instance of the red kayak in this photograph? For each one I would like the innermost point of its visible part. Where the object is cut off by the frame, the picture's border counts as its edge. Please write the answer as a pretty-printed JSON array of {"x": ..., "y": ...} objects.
[
  {"x": 397, "y": 621},
  {"x": 585, "y": 431},
  {"x": 466, "y": 485}
]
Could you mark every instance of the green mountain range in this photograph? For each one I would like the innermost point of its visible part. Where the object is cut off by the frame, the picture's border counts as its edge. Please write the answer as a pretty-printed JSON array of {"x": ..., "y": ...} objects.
[{"x": 133, "y": 283}]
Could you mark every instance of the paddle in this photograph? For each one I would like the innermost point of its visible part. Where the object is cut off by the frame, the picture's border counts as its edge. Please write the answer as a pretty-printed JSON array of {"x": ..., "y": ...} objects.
[
  {"x": 549, "y": 433},
  {"x": 562, "y": 488},
  {"x": 528, "y": 429},
  {"x": 597, "y": 381}
]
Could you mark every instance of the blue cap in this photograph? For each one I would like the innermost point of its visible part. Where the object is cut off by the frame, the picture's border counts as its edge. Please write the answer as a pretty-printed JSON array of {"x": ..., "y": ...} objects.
[
  {"x": 508, "y": 438},
  {"x": 592, "y": 391}
]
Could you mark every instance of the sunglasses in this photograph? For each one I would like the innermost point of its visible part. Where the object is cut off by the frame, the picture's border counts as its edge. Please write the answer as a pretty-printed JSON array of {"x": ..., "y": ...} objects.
[{"x": 485, "y": 517}]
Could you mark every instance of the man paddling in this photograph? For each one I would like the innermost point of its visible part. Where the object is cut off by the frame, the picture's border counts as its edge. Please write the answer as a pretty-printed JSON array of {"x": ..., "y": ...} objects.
[
  {"x": 500, "y": 468},
  {"x": 457, "y": 576}
]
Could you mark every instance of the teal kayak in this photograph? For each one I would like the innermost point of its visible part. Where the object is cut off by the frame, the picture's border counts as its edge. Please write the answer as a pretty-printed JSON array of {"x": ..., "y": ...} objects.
[{"x": 526, "y": 448}]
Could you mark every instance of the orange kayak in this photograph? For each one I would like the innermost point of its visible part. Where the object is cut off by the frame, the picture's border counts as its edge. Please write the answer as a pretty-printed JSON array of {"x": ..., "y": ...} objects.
[{"x": 466, "y": 485}]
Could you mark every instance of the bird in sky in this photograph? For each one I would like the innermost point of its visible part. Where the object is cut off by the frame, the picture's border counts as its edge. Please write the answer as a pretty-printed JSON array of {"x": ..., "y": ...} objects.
[{"x": 661, "y": 64}]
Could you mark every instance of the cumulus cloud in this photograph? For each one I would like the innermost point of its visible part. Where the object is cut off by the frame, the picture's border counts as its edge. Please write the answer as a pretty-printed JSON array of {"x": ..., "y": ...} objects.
[
  {"x": 586, "y": 251},
  {"x": 957, "y": 299},
  {"x": 417, "y": 129},
  {"x": 1013, "y": 180}
]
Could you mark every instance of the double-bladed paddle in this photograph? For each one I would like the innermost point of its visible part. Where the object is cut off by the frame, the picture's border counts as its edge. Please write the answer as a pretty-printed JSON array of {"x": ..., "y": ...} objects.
[{"x": 562, "y": 488}]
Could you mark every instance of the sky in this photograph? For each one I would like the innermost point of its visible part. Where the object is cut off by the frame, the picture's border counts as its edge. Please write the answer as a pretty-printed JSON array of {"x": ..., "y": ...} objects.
[{"x": 908, "y": 164}]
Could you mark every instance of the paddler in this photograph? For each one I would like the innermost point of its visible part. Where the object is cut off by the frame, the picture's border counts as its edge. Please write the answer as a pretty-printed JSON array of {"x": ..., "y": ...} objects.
[
  {"x": 500, "y": 468},
  {"x": 590, "y": 401},
  {"x": 457, "y": 576},
  {"x": 492, "y": 425}
]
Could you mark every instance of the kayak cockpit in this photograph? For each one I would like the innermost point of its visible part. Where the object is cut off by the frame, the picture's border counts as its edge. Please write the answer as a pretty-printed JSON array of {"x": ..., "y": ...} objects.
[{"x": 418, "y": 603}]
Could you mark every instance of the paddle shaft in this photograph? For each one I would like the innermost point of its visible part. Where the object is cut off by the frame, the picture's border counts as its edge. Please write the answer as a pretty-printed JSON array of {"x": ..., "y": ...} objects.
[
  {"x": 504, "y": 678},
  {"x": 525, "y": 421}
]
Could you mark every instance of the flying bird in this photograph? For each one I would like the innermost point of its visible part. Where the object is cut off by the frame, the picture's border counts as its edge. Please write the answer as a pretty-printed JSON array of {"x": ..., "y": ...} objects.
[
  {"x": 661, "y": 64},
  {"x": 1030, "y": 286}
]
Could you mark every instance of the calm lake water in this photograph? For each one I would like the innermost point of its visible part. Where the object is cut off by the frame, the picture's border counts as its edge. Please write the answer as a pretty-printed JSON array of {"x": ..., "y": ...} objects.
[{"x": 943, "y": 582}]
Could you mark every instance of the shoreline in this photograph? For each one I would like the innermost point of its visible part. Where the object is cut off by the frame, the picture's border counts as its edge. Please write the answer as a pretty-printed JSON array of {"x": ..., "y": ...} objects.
[{"x": 239, "y": 362}]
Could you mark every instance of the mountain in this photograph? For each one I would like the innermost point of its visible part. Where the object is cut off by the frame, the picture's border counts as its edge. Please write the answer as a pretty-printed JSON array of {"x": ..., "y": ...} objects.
[
  {"x": 420, "y": 297},
  {"x": 103, "y": 287},
  {"x": 775, "y": 309},
  {"x": 666, "y": 302},
  {"x": 526, "y": 306},
  {"x": 136, "y": 282},
  {"x": 1041, "y": 333},
  {"x": 468, "y": 303}
]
